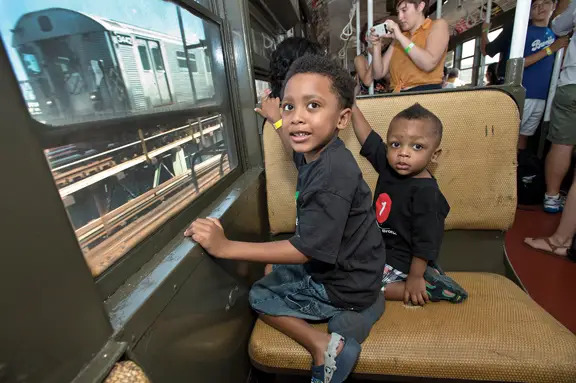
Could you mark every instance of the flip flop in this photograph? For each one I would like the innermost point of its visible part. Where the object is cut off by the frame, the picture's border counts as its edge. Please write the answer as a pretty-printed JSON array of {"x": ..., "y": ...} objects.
[{"x": 552, "y": 247}]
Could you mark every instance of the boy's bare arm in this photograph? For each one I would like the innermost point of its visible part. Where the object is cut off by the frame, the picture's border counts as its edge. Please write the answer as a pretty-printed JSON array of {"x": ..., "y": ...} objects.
[
  {"x": 210, "y": 235},
  {"x": 415, "y": 290},
  {"x": 561, "y": 42},
  {"x": 271, "y": 111},
  {"x": 362, "y": 128}
]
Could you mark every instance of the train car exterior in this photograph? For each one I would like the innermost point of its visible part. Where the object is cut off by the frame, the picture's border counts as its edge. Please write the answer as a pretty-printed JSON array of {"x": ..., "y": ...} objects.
[{"x": 82, "y": 67}]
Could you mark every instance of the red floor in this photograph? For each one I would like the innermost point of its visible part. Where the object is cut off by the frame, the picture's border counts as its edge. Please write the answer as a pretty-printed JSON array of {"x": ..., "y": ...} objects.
[{"x": 550, "y": 280}]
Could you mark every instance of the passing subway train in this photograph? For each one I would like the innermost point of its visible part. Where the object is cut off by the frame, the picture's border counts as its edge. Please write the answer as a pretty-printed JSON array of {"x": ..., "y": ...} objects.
[{"x": 81, "y": 66}]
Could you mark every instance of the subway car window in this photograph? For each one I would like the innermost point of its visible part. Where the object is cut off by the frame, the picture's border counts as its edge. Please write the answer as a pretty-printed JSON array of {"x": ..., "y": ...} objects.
[
  {"x": 467, "y": 61},
  {"x": 489, "y": 60},
  {"x": 261, "y": 86},
  {"x": 81, "y": 62},
  {"x": 263, "y": 42}
]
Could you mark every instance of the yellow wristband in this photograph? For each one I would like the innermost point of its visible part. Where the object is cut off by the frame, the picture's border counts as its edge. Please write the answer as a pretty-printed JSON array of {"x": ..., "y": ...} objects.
[
  {"x": 278, "y": 124},
  {"x": 549, "y": 51}
]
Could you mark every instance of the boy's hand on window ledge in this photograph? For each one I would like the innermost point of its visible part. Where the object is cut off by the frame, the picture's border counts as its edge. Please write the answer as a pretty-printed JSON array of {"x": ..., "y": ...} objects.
[{"x": 209, "y": 233}]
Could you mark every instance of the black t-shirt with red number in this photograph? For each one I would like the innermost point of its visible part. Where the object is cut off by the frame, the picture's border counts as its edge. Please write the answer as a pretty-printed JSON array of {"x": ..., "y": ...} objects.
[
  {"x": 335, "y": 227},
  {"x": 410, "y": 211}
]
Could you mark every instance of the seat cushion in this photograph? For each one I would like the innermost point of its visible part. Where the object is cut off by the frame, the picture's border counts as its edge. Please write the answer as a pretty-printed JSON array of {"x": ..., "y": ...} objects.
[
  {"x": 476, "y": 170},
  {"x": 498, "y": 334}
]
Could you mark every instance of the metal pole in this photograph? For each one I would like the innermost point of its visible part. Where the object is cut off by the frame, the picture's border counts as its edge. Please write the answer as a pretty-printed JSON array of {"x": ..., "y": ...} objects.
[
  {"x": 439, "y": 9},
  {"x": 370, "y": 25},
  {"x": 553, "y": 83},
  {"x": 483, "y": 58},
  {"x": 521, "y": 17},
  {"x": 358, "y": 29}
]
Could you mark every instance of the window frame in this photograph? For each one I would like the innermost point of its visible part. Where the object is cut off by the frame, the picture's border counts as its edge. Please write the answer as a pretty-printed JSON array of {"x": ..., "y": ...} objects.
[{"x": 119, "y": 272}]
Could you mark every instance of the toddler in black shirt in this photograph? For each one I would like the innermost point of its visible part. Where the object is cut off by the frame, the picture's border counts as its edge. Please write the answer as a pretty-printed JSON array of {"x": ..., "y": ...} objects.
[{"x": 410, "y": 208}]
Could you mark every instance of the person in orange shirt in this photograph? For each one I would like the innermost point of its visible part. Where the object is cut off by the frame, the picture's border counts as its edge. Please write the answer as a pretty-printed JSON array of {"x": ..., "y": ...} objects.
[{"x": 415, "y": 60}]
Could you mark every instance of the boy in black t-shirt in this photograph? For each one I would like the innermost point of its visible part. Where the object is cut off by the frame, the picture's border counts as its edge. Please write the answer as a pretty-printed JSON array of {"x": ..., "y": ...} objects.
[
  {"x": 333, "y": 263},
  {"x": 410, "y": 208}
]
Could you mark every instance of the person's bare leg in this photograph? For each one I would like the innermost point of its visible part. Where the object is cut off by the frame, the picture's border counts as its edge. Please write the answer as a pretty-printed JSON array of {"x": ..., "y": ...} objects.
[
  {"x": 565, "y": 231},
  {"x": 315, "y": 341},
  {"x": 395, "y": 291},
  {"x": 522, "y": 142},
  {"x": 557, "y": 165}
]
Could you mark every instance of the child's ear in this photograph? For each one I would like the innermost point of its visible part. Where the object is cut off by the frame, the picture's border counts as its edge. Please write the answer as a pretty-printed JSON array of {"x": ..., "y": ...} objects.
[
  {"x": 436, "y": 155},
  {"x": 344, "y": 118}
]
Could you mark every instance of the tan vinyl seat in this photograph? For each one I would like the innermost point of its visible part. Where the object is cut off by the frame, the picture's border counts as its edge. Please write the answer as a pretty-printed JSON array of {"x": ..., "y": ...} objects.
[{"x": 499, "y": 333}]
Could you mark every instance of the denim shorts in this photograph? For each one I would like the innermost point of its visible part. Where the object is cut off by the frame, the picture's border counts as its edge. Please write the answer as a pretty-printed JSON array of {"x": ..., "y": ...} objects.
[{"x": 290, "y": 291}]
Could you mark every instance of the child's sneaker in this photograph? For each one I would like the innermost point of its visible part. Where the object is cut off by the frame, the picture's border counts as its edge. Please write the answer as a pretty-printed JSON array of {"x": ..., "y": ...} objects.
[
  {"x": 441, "y": 287},
  {"x": 553, "y": 204},
  {"x": 336, "y": 368}
]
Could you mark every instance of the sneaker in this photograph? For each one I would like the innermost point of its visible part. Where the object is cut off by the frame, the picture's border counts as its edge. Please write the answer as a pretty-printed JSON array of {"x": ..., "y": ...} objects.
[
  {"x": 441, "y": 287},
  {"x": 553, "y": 204}
]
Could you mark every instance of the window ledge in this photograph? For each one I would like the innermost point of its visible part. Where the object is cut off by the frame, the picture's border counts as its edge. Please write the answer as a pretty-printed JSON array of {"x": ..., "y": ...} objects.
[{"x": 145, "y": 295}]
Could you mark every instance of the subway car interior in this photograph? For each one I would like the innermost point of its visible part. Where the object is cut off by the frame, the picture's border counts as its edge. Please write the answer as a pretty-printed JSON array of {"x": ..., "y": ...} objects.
[{"x": 138, "y": 117}]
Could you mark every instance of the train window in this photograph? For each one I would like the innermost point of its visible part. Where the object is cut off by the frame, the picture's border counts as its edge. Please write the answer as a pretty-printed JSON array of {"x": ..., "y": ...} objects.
[
  {"x": 31, "y": 64},
  {"x": 489, "y": 60},
  {"x": 467, "y": 61},
  {"x": 449, "y": 61},
  {"x": 263, "y": 42},
  {"x": 144, "y": 59},
  {"x": 193, "y": 66},
  {"x": 468, "y": 48},
  {"x": 261, "y": 86},
  {"x": 121, "y": 185}
]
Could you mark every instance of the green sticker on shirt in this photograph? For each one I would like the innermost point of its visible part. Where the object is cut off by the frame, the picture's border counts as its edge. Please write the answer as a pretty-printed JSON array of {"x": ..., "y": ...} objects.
[{"x": 296, "y": 195}]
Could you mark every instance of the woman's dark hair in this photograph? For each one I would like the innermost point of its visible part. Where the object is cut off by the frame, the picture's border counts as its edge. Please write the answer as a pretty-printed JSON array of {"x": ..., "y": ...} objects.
[
  {"x": 285, "y": 54},
  {"x": 492, "y": 74}
]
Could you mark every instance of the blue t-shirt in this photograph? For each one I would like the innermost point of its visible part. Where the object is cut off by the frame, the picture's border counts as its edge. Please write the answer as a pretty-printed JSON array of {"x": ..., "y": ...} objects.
[{"x": 537, "y": 76}]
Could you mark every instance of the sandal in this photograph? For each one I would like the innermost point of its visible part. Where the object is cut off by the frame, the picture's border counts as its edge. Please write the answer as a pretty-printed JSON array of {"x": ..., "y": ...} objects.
[
  {"x": 336, "y": 368},
  {"x": 553, "y": 248}
]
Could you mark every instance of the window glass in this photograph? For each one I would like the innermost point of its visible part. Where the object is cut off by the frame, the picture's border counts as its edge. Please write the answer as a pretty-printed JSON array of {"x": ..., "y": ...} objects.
[
  {"x": 467, "y": 63},
  {"x": 468, "y": 48},
  {"x": 466, "y": 76},
  {"x": 124, "y": 60},
  {"x": 261, "y": 86},
  {"x": 193, "y": 66},
  {"x": 495, "y": 33},
  {"x": 52, "y": 43},
  {"x": 157, "y": 55},
  {"x": 263, "y": 42},
  {"x": 144, "y": 59}
]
